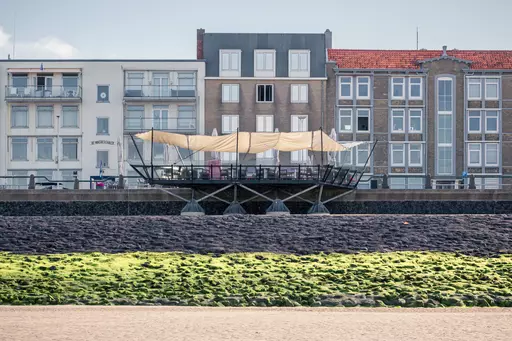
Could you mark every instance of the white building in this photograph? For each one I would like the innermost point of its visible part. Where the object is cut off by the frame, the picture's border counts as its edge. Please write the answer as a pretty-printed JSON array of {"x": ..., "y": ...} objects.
[{"x": 65, "y": 116}]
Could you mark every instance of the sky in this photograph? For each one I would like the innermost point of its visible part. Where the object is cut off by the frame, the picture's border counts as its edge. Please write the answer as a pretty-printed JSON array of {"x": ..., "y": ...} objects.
[{"x": 166, "y": 29}]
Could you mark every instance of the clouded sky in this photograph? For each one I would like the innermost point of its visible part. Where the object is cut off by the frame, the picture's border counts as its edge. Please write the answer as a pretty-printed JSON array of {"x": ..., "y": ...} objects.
[{"x": 167, "y": 28}]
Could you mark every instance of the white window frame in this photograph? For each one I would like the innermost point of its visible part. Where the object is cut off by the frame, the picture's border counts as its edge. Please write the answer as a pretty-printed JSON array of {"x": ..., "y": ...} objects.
[
  {"x": 43, "y": 109},
  {"x": 420, "y": 164},
  {"x": 300, "y": 71},
  {"x": 474, "y": 117},
  {"x": 357, "y": 121},
  {"x": 351, "y": 85},
  {"x": 26, "y": 113},
  {"x": 393, "y": 162},
  {"x": 350, "y": 153},
  {"x": 231, "y": 130},
  {"x": 299, "y": 89},
  {"x": 341, "y": 128},
  {"x": 491, "y": 81},
  {"x": 266, "y": 69},
  {"x": 445, "y": 113},
  {"x": 364, "y": 146},
  {"x": 409, "y": 121},
  {"x": 65, "y": 109},
  {"x": 487, "y": 164},
  {"x": 232, "y": 55},
  {"x": 402, "y": 112},
  {"x": 108, "y": 126},
  {"x": 71, "y": 141},
  {"x": 273, "y": 93},
  {"x": 475, "y": 81},
  {"x": 479, "y": 150},
  {"x": 26, "y": 142},
  {"x": 232, "y": 91},
  {"x": 497, "y": 121},
  {"x": 108, "y": 157},
  {"x": 268, "y": 127},
  {"x": 299, "y": 156},
  {"x": 367, "y": 84},
  {"x": 420, "y": 85},
  {"x": 37, "y": 140},
  {"x": 402, "y": 84}
]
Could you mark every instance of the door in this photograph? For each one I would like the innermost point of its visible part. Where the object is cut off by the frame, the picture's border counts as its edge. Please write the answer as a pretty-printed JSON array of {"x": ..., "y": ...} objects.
[{"x": 161, "y": 85}]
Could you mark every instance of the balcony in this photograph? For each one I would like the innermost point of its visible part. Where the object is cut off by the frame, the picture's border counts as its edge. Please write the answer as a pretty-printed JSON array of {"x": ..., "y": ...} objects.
[
  {"x": 43, "y": 94},
  {"x": 186, "y": 125},
  {"x": 160, "y": 92}
]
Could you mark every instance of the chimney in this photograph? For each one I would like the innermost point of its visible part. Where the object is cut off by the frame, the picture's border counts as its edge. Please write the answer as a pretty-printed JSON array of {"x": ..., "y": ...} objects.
[
  {"x": 328, "y": 39},
  {"x": 444, "y": 51},
  {"x": 200, "y": 36}
]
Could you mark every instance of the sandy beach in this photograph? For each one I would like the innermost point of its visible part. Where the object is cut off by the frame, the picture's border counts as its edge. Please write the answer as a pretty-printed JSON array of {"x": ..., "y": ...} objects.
[{"x": 242, "y": 324}]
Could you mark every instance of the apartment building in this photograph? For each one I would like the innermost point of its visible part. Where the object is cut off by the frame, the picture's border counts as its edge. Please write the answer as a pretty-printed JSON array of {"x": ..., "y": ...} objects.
[
  {"x": 440, "y": 113},
  {"x": 261, "y": 82},
  {"x": 66, "y": 117}
]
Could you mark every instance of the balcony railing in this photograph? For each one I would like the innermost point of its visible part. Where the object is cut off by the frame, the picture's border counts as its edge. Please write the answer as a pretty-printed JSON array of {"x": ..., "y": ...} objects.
[
  {"x": 43, "y": 92},
  {"x": 159, "y": 91},
  {"x": 172, "y": 125}
]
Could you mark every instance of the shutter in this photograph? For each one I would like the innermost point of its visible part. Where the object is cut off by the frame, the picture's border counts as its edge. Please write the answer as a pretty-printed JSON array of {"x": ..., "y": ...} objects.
[
  {"x": 234, "y": 60},
  {"x": 259, "y": 61},
  {"x": 269, "y": 124},
  {"x": 234, "y": 92},
  {"x": 295, "y": 61},
  {"x": 225, "y": 124},
  {"x": 304, "y": 62},
  {"x": 234, "y": 123},
  {"x": 260, "y": 123},
  {"x": 295, "y": 123},
  {"x": 225, "y": 61},
  {"x": 225, "y": 93},
  {"x": 269, "y": 63},
  {"x": 304, "y": 93},
  {"x": 295, "y": 93}
]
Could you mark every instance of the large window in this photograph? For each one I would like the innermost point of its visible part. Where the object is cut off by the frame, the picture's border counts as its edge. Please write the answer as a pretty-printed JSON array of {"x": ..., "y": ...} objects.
[
  {"x": 398, "y": 121},
  {"x": 45, "y": 149},
  {"x": 186, "y": 117},
  {"x": 362, "y": 154},
  {"x": 415, "y": 155},
  {"x": 363, "y": 87},
  {"x": 19, "y": 117},
  {"x": 415, "y": 120},
  {"x": 69, "y": 117},
  {"x": 229, "y": 124},
  {"x": 264, "y": 93},
  {"x": 474, "y": 121},
  {"x": 345, "y": 157},
  {"x": 345, "y": 120},
  {"x": 491, "y": 155},
  {"x": 101, "y": 125},
  {"x": 492, "y": 88},
  {"x": 346, "y": 88},
  {"x": 299, "y": 93},
  {"x": 230, "y": 93},
  {"x": 44, "y": 117},
  {"x": 159, "y": 151},
  {"x": 134, "y": 119},
  {"x": 230, "y": 60},
  {"x": 363, "y": 120},
  {"x": 299, "y": 123},
  {"x": 161, "y": 117},
  {"x": 264, "y": 60},
  {"x": 186, "y": 81},
  {"x": 69, "y": 149},
  {"x": 398, "y": 88},
  {"x": 415, "y": 88},
  {"x": 397, "y": 154},
  {"x": 19, "y": 148},
  {"x": 132, "y": 149},
  {"x": 445, "y": 137},
  {"x": 474, "y": 154},
  {"x": 474, "y": 88},
  {"x": 299, "y": 61}
]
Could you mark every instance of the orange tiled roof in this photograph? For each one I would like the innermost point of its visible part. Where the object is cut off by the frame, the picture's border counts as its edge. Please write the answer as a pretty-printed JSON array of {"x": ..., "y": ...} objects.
[{"x": 408, "y": 59}]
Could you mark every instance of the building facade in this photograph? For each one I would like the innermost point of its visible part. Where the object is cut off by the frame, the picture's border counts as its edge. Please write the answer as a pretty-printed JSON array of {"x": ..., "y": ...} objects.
[
  {"x": 264, "y": 83},
  {"x": 438, "y": 113},
  {"x": 66, "y": 117}
]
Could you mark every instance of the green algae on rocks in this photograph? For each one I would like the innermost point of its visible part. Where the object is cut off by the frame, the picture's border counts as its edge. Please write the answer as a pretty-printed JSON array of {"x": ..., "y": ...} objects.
[{"x": 406, "y": 279}]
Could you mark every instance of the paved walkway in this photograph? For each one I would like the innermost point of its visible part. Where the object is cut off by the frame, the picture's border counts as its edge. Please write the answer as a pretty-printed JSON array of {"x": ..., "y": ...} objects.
[{"x": 243, "y": 324}]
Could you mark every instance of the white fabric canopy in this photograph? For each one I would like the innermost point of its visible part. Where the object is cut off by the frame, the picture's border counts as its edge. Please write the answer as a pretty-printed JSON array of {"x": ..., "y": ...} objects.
[{"x": 245, "y": 142}]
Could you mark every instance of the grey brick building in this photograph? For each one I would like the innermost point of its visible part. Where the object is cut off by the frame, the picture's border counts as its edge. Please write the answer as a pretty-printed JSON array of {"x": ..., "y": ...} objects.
[
  {"x": 261, "y": 82},
  {"x": 439, "y": 113}
]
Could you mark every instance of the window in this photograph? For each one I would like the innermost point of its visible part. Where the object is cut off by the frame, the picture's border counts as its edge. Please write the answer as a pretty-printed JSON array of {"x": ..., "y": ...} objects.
[
  {"x": 445, "y": 129},
  {"x": 132, "y": 150},
  {"x": 415, "y": 183},
  {"x": 45, "y": 149},
  {"x": 474, "y": 122},
  {"x": 397, "y": 154},
  {"x": 415, "y": 155},
  {"x": 362, "y": 154},
  {"x": 230, "y": 60},
  {"x": 44, "y": 117},
  {"x": 491, "y": 121},
  {"x": 47, "y": 175},
  {"x": 69, "y": 149},
  {"x": 415, "y": 88},
  {"x": 445, "y": 98},
  {"x": 445, "y": 150},
  {"x": 264, "y": 60},
  {"x": 69, "y": 117},
  {"x": 363, "y": 87},
  {"x": 103, "y": 93},
  {"x": 415, "y": 120},
  {"x": 102, "y": 159},
  {"x": 299, "y": 123},
  {"x": 474, "y": 88},
  {"x": 19, "y": 148},
  {"x": 135, "y": 81},
  {"x": 299, "y": 62},
  {"x": 134, "y": 118},
  {"x": 229, "y": 124},
  {"x": 70, "y": 84},
  {"x": 397, "y": 120},
  {"x": 159, "y": 86},
  {"x": 475, "y": 154},
  {"x": 264, "y": 93},
  {"x": 491, "y": 88},
  {"x": 69, "y": 175},
  {"x": 397, "y": 183},
  {"x": 161, "y": 117},
  {"x": 159, "y": 151},
  {"x": 19, "y": 117},
  {"x": 299, "y": 93},
  {"x": 230, "y": 93},
  {"x": 346, "y": 88},
  {"x": 228, "y": 158},
  {"x": 186, "y": 81},
  {"x": 265, "y": 124},
  {"x": 101, "y": 125},
  {"x": 491, "y": 154},
  {"x": 20, "y": 81},
  {"x": 19, "y": 183},
  {"x": 398, "y": 88},
  {"x": 345, "y": 157},
  {"x": 445, "y": 162},
  {"x": 345, "y": 120},
  {"x": 363, "y": 120},
  {"x": 186, "y": 117}
]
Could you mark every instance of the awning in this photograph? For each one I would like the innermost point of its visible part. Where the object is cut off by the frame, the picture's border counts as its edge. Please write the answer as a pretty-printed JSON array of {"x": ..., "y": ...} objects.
[{"x": 251, "y": 143}]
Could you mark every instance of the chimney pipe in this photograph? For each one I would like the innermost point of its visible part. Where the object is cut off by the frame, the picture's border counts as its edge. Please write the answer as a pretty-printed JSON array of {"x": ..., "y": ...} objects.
[
  {"x": 328, "y": 39},
  {"x": 444, "y": 51},
  {"x": 200, "y": 37}
]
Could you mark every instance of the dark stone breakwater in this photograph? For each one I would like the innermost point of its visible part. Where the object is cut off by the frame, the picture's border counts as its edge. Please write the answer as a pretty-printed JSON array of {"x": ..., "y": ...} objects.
[{"x": 481, "y": 235}]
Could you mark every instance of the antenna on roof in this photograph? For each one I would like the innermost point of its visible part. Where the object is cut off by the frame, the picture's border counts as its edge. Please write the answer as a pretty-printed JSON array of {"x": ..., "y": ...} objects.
[
  {"x": 14, "y": 39},
  {"x": 417, "y": 38}
]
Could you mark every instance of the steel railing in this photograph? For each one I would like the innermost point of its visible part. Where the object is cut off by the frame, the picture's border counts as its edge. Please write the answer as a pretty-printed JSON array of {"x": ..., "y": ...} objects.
[
  {"x": 34, "y": 92},
  {"x": 168, "y": 124},
  {"x": 160, "y": 91}
]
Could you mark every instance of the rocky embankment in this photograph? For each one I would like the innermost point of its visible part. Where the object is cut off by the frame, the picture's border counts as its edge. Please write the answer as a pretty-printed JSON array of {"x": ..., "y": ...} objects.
[{"x": 481, "y": 235}]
